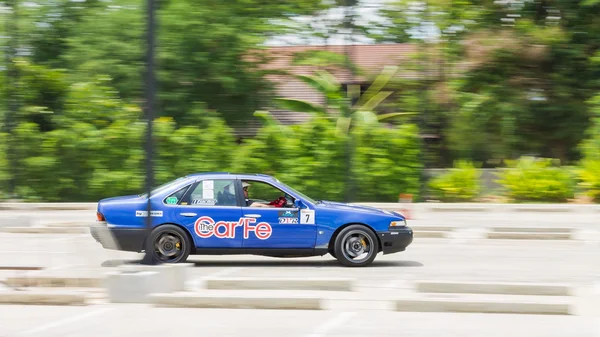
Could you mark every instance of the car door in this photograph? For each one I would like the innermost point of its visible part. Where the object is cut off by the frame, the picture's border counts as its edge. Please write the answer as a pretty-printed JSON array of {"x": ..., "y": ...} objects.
[
  {"x": 211, "y": 211},
  {"x": 276, "y": 228}
]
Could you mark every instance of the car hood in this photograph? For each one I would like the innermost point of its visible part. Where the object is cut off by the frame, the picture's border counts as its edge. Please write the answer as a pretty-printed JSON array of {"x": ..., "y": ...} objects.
[{"x": 356, "y": 208}]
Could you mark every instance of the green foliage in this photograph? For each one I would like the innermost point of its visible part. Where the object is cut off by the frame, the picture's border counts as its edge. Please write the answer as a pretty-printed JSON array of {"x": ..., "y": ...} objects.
[
  {"x": 461, "y": 184},
  {"x": 497, "y": 86},
  {"x": 531, "y": 179},
  {"x": 589, "y": 175},
  {"x": 308, "y": 157},
  {"x": 4, "y": 174},
  {"x": 590, "y": 146},
  {"x": 386, "y": 162},
  {"x": 311, "y": 157},
  {"x": 318, "y": 164}
]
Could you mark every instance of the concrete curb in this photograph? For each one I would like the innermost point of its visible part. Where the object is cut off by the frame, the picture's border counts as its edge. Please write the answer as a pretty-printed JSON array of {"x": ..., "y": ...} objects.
[
  {"x": 69, "y": 224},
  {"x": 42, "y": 298},
  {"x": 335, "y": 284},
  {"x": 494, "y": 288},
  {"x": 55, "y": 281},
  {"x": 433, "y": 228},
  {"x": 506, "y": 306},
  {"x": 430, "y": 234},
  {"x": 50, "y": 206},
  {"x": 172, "y": 277},
  {"x": 532, "y": 230},
  {"x": 16, "y": 221},
  {"x": 134, "y": 287},
  {"x": 529, "y": 236},
  {"x": 44, "y": 230},
  {"x": 237, "y": 300}
]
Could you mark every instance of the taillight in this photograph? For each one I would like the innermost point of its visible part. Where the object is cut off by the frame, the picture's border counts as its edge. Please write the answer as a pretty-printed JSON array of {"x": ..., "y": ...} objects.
[{"x": 100, "y": 217}]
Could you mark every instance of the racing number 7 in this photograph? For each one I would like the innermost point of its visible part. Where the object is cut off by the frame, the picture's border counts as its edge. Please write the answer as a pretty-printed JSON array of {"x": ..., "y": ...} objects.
[{"x": 307, "y": 216}]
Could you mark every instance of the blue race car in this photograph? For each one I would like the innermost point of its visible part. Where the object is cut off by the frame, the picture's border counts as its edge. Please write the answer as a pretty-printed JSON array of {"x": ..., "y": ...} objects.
[{"x": 213, "y": 214}]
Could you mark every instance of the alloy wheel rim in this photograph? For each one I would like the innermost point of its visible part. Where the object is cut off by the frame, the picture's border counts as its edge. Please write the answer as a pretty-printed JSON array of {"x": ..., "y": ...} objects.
[
  {"x": 169, "y": 246},
  {"x": 355, "y": 244}
]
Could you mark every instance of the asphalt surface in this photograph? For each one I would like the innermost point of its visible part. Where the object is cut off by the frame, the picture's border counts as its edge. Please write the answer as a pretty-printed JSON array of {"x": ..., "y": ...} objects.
[{"x": 464, "y": 256}]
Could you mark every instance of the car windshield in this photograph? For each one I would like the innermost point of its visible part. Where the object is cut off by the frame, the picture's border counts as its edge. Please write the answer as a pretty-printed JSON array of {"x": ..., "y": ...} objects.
[
  {"x": 298, "y": 193},
  {"x": 163, "y": 187}
]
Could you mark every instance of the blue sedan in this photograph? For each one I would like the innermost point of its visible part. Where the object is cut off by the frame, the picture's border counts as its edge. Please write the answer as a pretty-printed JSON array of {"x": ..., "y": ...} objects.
[{"x": 225, "y": 213}]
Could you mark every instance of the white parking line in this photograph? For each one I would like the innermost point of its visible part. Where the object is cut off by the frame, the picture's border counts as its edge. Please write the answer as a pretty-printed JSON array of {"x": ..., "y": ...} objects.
[
  {"x": 66, "y": 321},
  {"x": 331, "y": 324}
]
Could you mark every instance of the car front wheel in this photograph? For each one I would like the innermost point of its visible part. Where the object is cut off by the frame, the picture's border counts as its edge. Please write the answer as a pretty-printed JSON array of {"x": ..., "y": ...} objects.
[
  {"x": 168, "y": 244},
  {"x": 356, "y": 246}
]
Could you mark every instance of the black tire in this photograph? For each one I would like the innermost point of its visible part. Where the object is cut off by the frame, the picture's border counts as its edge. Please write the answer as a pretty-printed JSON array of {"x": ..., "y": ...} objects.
[
  {"x": 162, "y": 245},
  {"x": 353, "y": 240}
]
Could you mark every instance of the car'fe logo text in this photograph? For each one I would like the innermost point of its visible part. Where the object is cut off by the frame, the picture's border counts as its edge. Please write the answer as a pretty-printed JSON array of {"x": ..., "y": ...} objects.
[{"x": 205, "y": 227}]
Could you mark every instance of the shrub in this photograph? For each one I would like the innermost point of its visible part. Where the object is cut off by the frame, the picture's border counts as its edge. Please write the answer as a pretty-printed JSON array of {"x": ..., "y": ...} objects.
[
  {"x": 460, "y": 184},
  {"x": 530, "y": 179},
  {"x": 4, "y": 174},
  {"x": 386, "y": 162},
  {"x": 589, "y": 176}
]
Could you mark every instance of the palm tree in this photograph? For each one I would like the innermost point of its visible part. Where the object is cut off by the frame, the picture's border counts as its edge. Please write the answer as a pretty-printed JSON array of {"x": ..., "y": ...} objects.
[{"x": 338, "y": 105}]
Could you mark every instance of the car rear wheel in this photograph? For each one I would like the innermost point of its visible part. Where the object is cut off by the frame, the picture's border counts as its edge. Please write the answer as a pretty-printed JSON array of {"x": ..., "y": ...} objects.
[
  {"x": 356, "y": 246},
  {"x": 168, "y": 244}
]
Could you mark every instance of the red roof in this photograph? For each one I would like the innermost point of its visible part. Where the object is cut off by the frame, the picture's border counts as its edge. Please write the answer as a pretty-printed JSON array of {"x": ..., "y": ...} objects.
[{"x": 370, "y": 59}]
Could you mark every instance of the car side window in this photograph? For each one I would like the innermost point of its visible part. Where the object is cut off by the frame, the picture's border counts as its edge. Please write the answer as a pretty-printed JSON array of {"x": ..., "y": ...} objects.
[
  {"x": 259, "y": 193},
  {"x": 214, "y": 192},
  {"x": 177, "y": 197}
]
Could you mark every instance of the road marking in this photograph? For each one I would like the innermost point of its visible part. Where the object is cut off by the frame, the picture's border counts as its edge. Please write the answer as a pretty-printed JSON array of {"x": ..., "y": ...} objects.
[
  {"x": 67, "y": 321},
  {"x": 331, "y": 324}
]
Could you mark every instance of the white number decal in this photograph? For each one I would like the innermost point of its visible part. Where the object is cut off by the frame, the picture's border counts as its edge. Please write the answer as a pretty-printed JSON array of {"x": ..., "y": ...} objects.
[{"x": 307, "y": 216}]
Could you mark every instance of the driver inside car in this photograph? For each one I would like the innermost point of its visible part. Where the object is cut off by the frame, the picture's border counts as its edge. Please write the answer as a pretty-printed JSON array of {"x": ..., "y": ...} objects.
[{"x": 279, "y": 202}]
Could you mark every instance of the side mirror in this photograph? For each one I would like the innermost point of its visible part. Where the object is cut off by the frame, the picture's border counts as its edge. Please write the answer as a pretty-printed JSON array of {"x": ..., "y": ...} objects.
[{"x": 298, "y": 203}]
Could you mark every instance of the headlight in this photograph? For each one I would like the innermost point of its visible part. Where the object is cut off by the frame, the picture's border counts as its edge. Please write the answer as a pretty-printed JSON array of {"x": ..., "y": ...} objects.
[{"x": 398, "y": 223}]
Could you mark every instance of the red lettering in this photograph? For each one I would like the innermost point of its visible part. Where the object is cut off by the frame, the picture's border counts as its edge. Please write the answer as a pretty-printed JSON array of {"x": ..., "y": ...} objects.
[
  {"x": 205, "y": 227},
  {"x": 263, "y": 231},
  {"x": 224, "y": 234},
  {"x": 247, "y": 227}
]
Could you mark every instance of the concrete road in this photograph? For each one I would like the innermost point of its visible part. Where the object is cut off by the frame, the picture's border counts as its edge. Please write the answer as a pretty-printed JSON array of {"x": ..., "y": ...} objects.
[
  {"x": 464, "y": 256},
  {"x": 140, "y": 320}
]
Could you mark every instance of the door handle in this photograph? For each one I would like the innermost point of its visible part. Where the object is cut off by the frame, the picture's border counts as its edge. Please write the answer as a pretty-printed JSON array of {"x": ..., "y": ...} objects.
[
  {"x": 252, "y": 215},
  {"x": 188, "y": 214}
]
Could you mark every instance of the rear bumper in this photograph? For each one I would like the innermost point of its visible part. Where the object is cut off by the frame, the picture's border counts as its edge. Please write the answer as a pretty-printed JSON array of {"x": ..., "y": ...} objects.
[
  {"x": 124, "y": 239},
  {"x": 396, "y": 241}
]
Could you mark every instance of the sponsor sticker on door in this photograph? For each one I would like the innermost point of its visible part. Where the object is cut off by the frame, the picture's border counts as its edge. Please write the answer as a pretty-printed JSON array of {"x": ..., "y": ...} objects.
[{"x": 206, "y": 227}]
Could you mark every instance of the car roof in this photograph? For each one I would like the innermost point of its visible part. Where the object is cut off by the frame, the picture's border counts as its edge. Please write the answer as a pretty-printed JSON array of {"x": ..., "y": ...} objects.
[{"x": 240, "y": 175}]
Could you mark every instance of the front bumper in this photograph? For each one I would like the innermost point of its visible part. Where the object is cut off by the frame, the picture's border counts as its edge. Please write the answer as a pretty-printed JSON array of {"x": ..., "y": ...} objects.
[
  {"x": 124, "y": 239},
  {"x": 396, "y": 240}
]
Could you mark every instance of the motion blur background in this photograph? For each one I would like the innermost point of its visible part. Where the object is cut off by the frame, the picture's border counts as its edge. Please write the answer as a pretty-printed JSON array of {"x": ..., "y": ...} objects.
[
  {"x": 281, "y": 87},
  {"x": 380, "y": 102}
]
